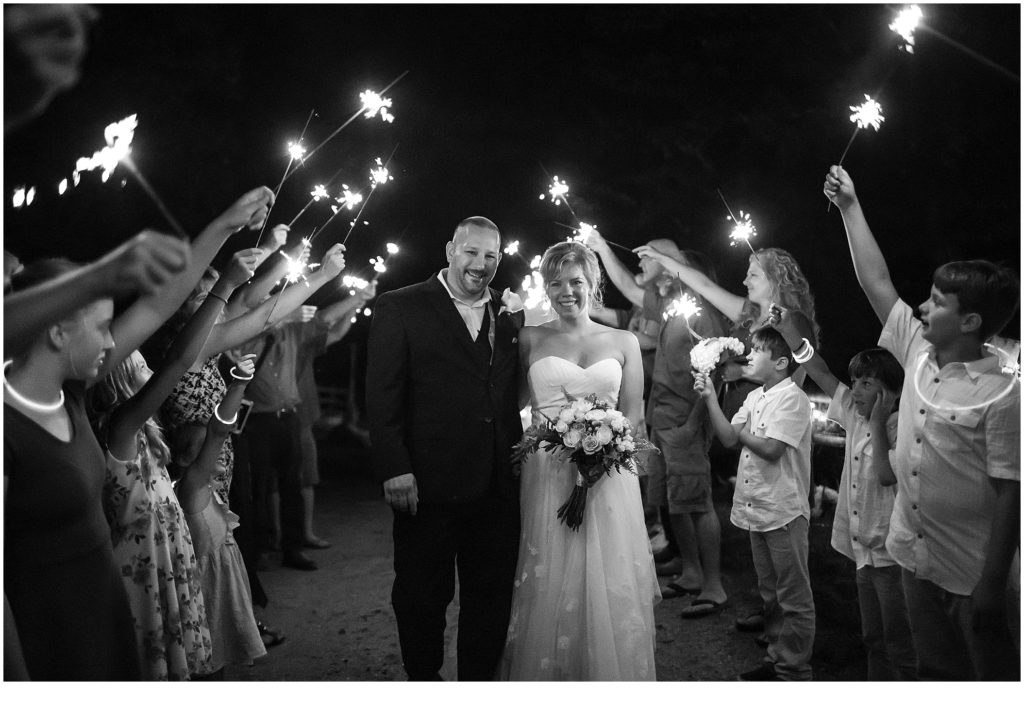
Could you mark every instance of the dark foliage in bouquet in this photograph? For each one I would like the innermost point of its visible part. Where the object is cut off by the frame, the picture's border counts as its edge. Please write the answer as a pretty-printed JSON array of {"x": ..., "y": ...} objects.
[{"x": 597, "y": 438}]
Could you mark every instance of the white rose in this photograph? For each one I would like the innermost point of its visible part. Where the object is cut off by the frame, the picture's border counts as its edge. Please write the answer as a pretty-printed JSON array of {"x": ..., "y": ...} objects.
[
  {"x": 572, "y": 437},
  {"x": 561, "y": 426},
  {"x": 604, "y": 435},
  {"x": 566, "y": 415},
  {"x": 590, "y": 444},
  {"x": 613, "y": 414},
  {"x": 618, "y": 423},
  {"x": 595, "y": 415}
]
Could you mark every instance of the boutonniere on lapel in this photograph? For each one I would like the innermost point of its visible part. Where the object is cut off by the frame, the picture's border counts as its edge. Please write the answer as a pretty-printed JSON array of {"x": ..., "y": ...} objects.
[{"x": 510, "y": 303}]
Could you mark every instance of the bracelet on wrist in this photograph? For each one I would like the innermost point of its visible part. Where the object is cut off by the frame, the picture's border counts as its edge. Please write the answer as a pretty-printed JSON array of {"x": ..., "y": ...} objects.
[
  {"x": 216, "y": 413},
  {"x": 243, "y": 378},
  {"x": 804, "y": 353}
]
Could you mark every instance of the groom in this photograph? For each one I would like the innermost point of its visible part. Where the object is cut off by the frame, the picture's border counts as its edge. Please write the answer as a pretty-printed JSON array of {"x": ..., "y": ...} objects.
[{"x": 441, "y": 395}]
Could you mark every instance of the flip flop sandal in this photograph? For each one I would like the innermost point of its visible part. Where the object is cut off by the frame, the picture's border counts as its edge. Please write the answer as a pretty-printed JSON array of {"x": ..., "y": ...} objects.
[{"x": 699, "y": 608}]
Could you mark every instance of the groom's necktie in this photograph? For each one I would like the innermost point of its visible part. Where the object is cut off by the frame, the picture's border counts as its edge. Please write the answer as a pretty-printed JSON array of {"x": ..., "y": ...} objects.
[{"x": 482, "y": 337}]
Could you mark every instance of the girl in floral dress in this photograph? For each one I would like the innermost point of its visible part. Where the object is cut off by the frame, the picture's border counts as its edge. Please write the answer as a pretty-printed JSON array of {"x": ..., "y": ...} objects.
[
  {"x": 236, "y": 636},
  {"x": 152, "y": 542}
]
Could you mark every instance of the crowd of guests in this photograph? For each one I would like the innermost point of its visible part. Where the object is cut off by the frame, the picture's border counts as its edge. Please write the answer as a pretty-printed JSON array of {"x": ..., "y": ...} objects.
[
  {"x": 929, "y": 498},
  {"x": 136, "y": 508}
]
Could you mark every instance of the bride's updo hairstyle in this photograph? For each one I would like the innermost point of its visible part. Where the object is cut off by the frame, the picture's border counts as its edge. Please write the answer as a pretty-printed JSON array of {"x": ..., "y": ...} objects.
[{"x": 557, "y": 257}]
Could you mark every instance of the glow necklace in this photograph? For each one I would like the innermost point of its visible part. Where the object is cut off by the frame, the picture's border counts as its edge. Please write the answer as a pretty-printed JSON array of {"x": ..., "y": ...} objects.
[
  {"x": 35, "y": 406},
  {"x": 936, "y": 407}
]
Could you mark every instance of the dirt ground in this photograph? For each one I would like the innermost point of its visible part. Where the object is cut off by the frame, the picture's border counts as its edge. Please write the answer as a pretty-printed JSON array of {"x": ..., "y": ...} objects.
[{"x": 340, "y": 626}]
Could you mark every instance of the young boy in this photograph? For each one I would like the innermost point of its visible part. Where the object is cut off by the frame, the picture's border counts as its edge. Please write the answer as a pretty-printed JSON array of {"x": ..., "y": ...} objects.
[
  {"x": 773, "y": 481},
  {"x": 867, "y": 491},
  {"x": 956, "y": 520}
]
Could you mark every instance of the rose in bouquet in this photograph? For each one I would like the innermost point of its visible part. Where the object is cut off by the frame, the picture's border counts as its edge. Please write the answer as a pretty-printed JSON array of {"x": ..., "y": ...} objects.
[{"x": 595, "y": 436}]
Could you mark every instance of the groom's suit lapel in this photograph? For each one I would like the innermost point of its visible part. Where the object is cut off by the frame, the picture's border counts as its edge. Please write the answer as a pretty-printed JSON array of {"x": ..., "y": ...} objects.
[
  {"x": 505, "y": 335},
  {"x": 451, "y": 320}
]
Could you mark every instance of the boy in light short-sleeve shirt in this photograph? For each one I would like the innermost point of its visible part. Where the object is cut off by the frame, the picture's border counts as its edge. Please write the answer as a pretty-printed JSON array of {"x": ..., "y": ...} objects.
[
  {"x": 773, "y": 428},
  {"x": 955, "y": 526}
]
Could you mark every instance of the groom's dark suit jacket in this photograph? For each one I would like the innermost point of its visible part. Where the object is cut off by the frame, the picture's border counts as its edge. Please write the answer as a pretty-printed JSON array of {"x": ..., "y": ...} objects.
[{"x": 437, "y": 408}]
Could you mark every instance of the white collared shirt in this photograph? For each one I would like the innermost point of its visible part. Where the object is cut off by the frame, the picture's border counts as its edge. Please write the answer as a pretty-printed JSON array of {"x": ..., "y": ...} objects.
[
  {"x": 770, "y": 494},
  {"x": 952, "y": 439},
  {"x": 472, "y": 314},
  {"x": 861, "y": 522}
]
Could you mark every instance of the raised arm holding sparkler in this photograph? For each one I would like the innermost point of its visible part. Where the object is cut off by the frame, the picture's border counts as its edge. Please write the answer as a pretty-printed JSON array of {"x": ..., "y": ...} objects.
[
  {"x": 149, "y": 312},
  {"x": 272, "y": 310},
  {"x": 618, "y": 273},
  {"x": 267, "y": 276}
]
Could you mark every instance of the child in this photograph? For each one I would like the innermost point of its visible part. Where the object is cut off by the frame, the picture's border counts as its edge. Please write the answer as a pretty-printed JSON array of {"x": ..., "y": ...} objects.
[
  {"x": 956, "y": 519},
  {"x": 773, "y": 429},
  {"x": 151, "y": 540},
  {"x": 236, "y": 638},
  {"x": 866, "y": 494}
]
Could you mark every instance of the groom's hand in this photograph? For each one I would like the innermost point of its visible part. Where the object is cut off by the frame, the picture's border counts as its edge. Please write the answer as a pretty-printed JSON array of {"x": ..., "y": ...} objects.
[{"x": 400, "y": 493}]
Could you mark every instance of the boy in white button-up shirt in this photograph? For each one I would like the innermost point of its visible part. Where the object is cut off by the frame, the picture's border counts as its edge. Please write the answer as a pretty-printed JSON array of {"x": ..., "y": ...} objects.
[
  {"x": 867, "y": 491},
  {"x": 771, "y": 499},
  {"x": 956, "y": 520}
]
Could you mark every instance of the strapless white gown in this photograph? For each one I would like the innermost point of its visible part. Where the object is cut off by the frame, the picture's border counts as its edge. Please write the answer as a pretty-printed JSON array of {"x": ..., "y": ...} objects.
[{"x": 583, "y": 607}]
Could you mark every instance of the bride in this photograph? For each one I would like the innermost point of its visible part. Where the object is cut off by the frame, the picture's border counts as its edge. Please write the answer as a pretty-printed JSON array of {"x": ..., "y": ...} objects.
[{"x": 583, "y": 607}]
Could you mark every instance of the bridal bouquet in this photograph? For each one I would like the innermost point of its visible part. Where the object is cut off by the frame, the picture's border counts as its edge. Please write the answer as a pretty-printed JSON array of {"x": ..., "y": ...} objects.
[
  {"x": 707, "y": 355},
  {"x": 597, "y": 438}
]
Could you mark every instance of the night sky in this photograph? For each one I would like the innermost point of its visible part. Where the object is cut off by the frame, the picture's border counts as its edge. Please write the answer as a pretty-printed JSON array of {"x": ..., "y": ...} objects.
[{"x": 646, "y": 111}]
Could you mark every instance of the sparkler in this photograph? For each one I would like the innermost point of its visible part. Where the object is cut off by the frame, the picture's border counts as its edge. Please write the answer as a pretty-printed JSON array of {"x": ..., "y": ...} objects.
[
  {"x": 118, "y": 136},
  {"x": 319, "y": 192},
  {"x": 686, "y": 307},
  {"x": 378, "y": 176},
  {"x": 744, "y": 228},
  {"x": 372, "y": 104},
  {"x": 296, "y": 152},
  {"x": 512, "y": 249},
  {"x": 867, "y": 114},
  {"x": 23, "y": 197},
  {"x": 905, "y": 24}
]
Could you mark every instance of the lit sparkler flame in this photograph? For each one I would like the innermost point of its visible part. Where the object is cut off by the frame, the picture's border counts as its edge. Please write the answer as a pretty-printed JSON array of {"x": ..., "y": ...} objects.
[
  {"x": 319, "y": 192},
  {"x": 392, "y": 249},
  {"x": 512, "y": 249},
  {"x": 373, "y": 104},
  {"x": 348, "y": 199},
  {"x": 378, "y": 264},
  {"x": 379, "y": 175},
  {"x": 686, "y": 307},
  {"x": 62, "y": 187},
  {"x": 534, "y": 294},
  {"x": 868, "y": 114},
  {"x": 583, "y": 233},
  {"x": 296, "y": 151},
  {"x": 119, "y": 140},
  {"x": 29, "y": 196},
  {"x": 356, "y": 283},
  {"x": 18, "y": 200},
  {"x": 296, "y": 269},
  {"x": 367, "y": 312},
  {"x": 558, "y": 190},
  {"x": 535, "y": 263},
  {"x": 744, "y": 229},
  {"x": 905, "y": 24}
]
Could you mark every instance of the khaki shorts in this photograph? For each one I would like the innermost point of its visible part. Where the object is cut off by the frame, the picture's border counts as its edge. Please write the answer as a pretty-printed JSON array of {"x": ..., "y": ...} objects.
[{"x": 680, "y": 477}]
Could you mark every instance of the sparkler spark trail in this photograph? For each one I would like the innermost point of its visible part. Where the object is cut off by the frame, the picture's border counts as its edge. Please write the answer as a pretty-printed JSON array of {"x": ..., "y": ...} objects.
[
  {"x": 378, "y": 265},
  {"x": 296, "y": 152},
  {"x": 118, "y": 136},
  {"x": 512, "y": 248},
  {"x": 558, "y": 191},
  {"x": 374, "y": 104},
  {"x": 744, "y": 228},
  {"x": 867, "y": 114},
  {"x": 319, "y": 192},
  {"x": 375, "y": 180},
  {"x": 62, "y": 187},
  {"x": 356, "y": 114},
  {"x": 535, "y": 263},
  {"x": 392, "y": 249},
  {"x": 905, "y": 24},
  {"x": 686, "y": 306}
]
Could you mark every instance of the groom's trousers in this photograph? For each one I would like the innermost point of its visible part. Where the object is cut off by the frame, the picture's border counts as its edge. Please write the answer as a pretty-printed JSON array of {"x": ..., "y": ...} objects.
[{"x": 480, "y": 539}]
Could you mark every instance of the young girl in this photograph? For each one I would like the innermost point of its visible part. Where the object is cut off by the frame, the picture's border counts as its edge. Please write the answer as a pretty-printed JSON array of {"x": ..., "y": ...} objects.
[
  {"x": 152, "y": 544},
  {"x": 236, "y": 638}
]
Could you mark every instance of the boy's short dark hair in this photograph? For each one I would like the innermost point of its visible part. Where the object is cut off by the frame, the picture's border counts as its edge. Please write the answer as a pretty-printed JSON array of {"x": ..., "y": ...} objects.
[
  {"x": 768, "y": 337},
  {"x": 880, "y": 364},
  {"x": 982, "y": 287}
]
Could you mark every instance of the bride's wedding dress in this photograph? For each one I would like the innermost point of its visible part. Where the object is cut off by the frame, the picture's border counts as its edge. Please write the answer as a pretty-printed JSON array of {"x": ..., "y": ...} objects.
[{"x": 583, "y": 607}]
